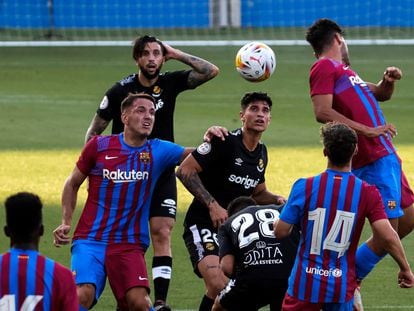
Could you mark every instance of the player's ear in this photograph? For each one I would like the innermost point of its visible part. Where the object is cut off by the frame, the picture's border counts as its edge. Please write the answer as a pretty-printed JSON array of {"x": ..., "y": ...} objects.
[
  {"x": 124, "y": 118},
  {"x": 41, "y": 230},
  {"x": 241, "y": 113}
]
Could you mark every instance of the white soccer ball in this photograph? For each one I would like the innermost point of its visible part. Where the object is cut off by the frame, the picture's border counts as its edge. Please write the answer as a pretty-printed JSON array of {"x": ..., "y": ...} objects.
[{"x": 255, "y": 61}]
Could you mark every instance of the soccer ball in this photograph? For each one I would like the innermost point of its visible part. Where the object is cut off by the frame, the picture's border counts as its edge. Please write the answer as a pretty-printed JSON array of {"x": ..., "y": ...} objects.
[{"x": 255, "y": 61}]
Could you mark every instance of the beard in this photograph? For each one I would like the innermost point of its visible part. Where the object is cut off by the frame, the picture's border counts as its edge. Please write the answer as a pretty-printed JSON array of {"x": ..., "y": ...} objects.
[{"x": 148, "y": 75}]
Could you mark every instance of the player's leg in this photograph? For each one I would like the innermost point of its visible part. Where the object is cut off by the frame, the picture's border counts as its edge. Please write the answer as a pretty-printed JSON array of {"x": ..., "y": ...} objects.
[
  {"x": 386, "y": 175},
  {"x": 88, "y": 266},
  {"x": 406, "y": 222},
  {"x": 128, "y": 277},
  {"x": 214, "y": 279},
  {"x": 201, "y": 242},
  {"x": 240, "y": 295},
  {"x": 162, "y": 220}
]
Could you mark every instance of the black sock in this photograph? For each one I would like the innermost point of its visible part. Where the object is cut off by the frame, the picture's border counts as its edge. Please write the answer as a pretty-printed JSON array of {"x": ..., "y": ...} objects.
[
  {"x": 161, "y": 274},
  {"x": 206, "y": 304}
]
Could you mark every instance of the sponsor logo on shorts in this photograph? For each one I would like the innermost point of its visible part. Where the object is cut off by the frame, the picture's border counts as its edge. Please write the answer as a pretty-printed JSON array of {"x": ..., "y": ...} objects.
[
  {"x": 171, "y": 205},
  {"x": 210, "y": 246},
  {"x": 141, "y": 278},
  {"x": 337, "y": 273}
]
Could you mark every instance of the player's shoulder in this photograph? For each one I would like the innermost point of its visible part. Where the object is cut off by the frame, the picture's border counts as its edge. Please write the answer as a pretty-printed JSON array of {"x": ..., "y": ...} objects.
[{"x": 127, "y": 80}]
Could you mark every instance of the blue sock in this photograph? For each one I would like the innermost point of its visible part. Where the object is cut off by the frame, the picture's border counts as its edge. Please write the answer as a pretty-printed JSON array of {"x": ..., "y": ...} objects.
[{"x": 365, "y": 261}]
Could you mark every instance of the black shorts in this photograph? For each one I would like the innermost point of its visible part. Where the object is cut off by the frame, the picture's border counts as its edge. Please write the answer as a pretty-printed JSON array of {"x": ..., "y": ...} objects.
[
  {"x": 164, "y": 198},
  {"x": 253, "y": 294},
  {"x": 201, "y": 241}
]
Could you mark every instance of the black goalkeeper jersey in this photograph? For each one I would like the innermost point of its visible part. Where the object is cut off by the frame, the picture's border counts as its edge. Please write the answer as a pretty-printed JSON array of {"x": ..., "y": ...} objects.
[
  {"x": 165, "y": 92},
  {"x": 229, "y": 170},
  {"x": 248, "y": 235}
]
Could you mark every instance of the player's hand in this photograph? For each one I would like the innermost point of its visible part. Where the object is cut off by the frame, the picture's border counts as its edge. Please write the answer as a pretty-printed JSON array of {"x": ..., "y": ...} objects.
[
  {"x": 406, "y": 279},
  {"x": 387, "y": 130},
  {"x": 61, "y": 235},
  {"x": 215, "y": 130},
  {"x": 391, "y": 74},
  {"x": 171, "y": 53},
  {"x": 218, "y": 214}
]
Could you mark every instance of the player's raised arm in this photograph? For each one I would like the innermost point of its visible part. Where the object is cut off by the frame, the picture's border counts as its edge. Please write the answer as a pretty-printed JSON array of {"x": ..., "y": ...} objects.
[{"x": 202, "y": 71}]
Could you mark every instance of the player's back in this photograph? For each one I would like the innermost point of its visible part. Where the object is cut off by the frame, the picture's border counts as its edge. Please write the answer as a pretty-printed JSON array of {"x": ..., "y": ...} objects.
[
  {"x": 331, "y": 209},
  {"x": 258, "y": 254},
  {"x": 30, "y": 281}
]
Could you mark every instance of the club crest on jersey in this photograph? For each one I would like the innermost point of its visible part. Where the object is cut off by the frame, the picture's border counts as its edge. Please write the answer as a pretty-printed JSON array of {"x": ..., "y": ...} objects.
[
  {"x": 391, "y": 204},
  {"x": 260, "y": 166},
  {"x": 144, "y": 157},
  {"x": 238, "y": 161},
  {"x": 156, "y": 91},
  {"x": 204, "y": 148}
]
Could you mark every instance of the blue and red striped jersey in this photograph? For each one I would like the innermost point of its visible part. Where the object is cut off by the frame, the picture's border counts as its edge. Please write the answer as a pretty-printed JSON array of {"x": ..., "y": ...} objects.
[
  {"x": 353, "y": 99},
  {"x": 121, "y": 182},
  {"x": 330, "y": 209},
  {"x": 31, "y": 281}
]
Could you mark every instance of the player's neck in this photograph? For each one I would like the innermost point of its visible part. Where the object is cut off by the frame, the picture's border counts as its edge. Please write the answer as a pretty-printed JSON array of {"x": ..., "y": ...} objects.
[
  {"x": 345, "y": 168},
  {"x": 250, "y": 139},
  {"x": 25, "y": 246},
  {"x": 144, "y": 81},
  {"x": 134, "y": 140},
  {"x": 332, "y": 54}
]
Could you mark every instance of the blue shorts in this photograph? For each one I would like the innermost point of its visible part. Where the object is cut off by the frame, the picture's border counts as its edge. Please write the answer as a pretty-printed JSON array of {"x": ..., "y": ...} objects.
[
  {"x": 88, "y": 264},
  {"x": 385, "y": 173}
]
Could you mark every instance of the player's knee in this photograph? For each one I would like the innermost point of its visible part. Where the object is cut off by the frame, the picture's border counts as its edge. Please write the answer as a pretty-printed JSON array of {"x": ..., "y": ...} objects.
[
  {"x": 139, "y": 304},
  {"x": 86, "y": 295},
  {"x": 215, "y": 286},
  {"x": 161, "y": 230}
]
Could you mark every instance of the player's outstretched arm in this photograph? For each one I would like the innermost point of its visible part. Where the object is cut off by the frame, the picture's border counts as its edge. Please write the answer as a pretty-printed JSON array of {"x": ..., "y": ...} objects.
[
  {"x": 97, "y": 126},
  {"x": 69, "y": 197},
  {"x": 388, "y": 237},
  {"x": 202, "y": 71}
]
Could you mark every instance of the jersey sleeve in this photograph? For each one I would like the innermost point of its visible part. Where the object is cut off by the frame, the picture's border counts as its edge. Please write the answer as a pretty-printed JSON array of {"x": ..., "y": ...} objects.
[
  {"x": 293, "y": 209},
  {"x": 111, "y": 102},
  {"x": 322, "y": 78},
  {"x": 208, "y": 153},
  {"x": 64, "y": 289},
  {"x": 87, "y": 159},
  {"x": 374, "y": 204},
  {"x": 172, "y": 153}
]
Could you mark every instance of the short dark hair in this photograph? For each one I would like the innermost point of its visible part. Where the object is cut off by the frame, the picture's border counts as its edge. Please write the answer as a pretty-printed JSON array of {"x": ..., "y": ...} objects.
[
  {"x": 321, "y": 33},
  {"x": 251, "y": 97},
  {"x": 339, "y": 141},
  {"x": 23, "y": 216},
  {"x": 239, "y": 203},
  {"x": 127, "y": 102},
  {"x": 141, "y": 42}
]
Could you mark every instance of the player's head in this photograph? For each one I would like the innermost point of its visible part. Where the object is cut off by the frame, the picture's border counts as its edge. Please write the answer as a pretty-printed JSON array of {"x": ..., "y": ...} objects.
[
  {"x": 239, "y": 203},
  {"x": 340, "y": 143},
  {"x": 255, "y": 111},
  {"x": 149, "y": 54},
  {"x": 23, "y": 218},
  {"x": 322, "y": 35},
  {"x": 138, "y": 113}
]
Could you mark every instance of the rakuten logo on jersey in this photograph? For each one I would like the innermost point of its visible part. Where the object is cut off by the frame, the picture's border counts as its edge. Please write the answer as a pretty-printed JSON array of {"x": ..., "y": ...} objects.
[
  {"x": 245, "y": 181},
  {"x": 357, "y": 80},
  {"x": 119, "y": 176}
]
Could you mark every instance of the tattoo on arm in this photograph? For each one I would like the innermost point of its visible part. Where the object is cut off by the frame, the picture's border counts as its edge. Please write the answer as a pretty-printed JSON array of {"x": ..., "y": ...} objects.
[
  {"x": 202, "y": 70},
  {"x": 97, "y": 126},
  {"x": 193, "y": 184}
]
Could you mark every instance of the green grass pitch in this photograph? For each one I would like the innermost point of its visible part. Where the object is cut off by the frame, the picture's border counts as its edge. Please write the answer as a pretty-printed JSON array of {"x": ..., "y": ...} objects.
[{"x": 48, "y": 97}]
